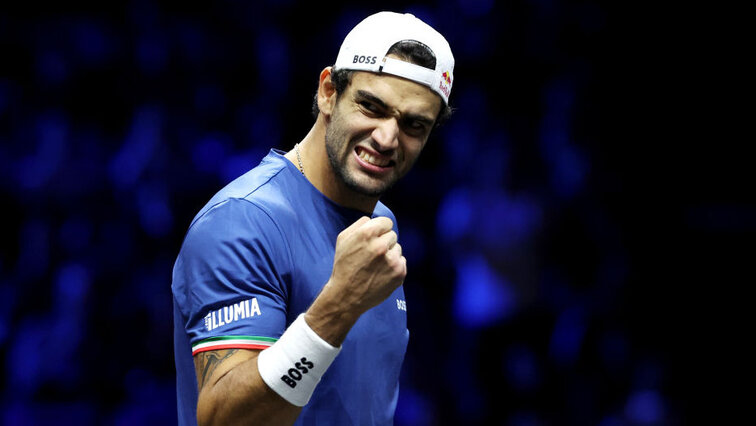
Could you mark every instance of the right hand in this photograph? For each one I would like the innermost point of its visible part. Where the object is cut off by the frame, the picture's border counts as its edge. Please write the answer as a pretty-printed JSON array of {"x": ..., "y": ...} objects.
[
  {"x": 368, "y": 264},
  {"x": 367, "y": 267}
]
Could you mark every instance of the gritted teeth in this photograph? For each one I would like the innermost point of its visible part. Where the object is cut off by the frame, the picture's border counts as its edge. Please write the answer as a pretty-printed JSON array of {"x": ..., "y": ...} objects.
[{"x": 376, "y": 161}]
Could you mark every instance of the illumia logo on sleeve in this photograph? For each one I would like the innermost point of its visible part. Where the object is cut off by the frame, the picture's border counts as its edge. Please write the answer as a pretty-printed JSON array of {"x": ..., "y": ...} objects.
[{"x": 230, "y": 313}]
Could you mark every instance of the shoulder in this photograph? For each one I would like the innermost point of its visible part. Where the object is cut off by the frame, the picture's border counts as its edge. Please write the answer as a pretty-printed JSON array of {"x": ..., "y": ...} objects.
[
  {"x": 229, "y": 233},
  {"x": 229, "y": 244},
  {"x": 265, "y": 193},
  {"x": 256, "y": 207},
  {"x": 263, "y": 186}
]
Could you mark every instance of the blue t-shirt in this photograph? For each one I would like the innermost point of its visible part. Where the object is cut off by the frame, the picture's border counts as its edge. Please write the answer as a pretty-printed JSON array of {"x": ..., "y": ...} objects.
[{"x": 253, "y": 259}]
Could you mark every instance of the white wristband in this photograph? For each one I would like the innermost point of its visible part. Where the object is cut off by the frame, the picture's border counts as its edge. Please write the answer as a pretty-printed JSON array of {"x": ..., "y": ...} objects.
[{"x": 293, "y": 366}]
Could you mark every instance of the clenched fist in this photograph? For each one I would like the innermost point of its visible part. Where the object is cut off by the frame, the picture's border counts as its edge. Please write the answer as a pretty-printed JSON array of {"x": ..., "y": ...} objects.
[{"x": 367, "y": 267}]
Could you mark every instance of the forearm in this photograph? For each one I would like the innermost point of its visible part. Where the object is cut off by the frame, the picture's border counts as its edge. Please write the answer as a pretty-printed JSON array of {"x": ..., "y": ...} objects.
[
  {"x": 330, "y": 318},
  {"x": 239, "y": 396}
]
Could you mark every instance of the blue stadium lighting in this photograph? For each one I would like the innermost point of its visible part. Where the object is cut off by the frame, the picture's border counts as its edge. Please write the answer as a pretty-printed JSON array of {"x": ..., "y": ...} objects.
[
  {"x": 645, "y": 407},
  {"x": 567, "y": 337},
  {"x": 523, "y": 371},
  {"x": 134, "y": 155},
  {"x": 209, "y": 153},
  {"x": 481, "y": 298},
  {"x": 455, "y": 215}
]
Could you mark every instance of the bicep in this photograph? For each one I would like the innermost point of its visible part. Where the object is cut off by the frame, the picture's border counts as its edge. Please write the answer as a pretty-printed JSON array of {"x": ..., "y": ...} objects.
[
  {"x": 211, "y": 366},
  {"x": 231, "y": 391}
]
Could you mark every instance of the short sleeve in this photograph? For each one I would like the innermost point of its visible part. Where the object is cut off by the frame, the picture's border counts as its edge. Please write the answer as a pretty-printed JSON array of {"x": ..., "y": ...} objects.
[{"x": 229, "y": 280}]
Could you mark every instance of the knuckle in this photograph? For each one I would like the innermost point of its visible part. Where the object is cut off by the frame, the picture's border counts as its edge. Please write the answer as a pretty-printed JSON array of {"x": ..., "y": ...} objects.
[
  {"x": 363, "y": 232},
  {"x": 383, "y": 221},
  {"x": 376, "y": 248},
  {"x": 395, "y": 262},
  {"x": 401, "y": 266}
]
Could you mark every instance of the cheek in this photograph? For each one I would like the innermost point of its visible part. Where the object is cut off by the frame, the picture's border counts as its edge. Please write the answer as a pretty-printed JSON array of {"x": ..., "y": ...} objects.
[
  {"x": 413, "y": 148},
  {"x": 347, "y": 127},
  {"x": 336, "y": 131}
]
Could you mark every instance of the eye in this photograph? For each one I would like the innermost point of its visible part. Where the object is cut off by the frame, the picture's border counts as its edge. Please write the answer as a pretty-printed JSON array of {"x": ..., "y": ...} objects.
[
  {"x": 417, "y": 125},
  {"x": 414, "y": 127},
  {"x": 368, "y": 106}
]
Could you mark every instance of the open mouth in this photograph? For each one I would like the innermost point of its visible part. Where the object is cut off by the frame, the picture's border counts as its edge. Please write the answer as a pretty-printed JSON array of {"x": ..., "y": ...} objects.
[{"x": 373, "y": 160}]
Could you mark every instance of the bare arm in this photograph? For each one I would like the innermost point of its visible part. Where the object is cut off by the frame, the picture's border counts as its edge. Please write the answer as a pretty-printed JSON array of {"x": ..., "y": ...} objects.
[
  {"x": 232, "y": 392},
  {"x": 368, "y": 267}
]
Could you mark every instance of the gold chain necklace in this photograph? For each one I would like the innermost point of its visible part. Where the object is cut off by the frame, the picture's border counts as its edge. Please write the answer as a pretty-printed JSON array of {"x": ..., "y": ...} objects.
[{"x": 299, "y": 158}]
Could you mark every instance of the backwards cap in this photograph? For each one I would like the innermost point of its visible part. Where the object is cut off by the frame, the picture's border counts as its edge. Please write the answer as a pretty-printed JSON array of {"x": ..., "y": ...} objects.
[{"x": 365, "y": 48}]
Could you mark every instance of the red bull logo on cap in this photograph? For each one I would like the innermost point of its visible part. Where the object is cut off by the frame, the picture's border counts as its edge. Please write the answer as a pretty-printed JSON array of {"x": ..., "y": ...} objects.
[
  {"x": 445, "y": 84},
  {"x": 447, "y": 77}
]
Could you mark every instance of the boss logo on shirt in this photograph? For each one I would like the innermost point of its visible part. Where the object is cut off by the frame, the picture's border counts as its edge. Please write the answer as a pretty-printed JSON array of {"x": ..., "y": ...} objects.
[
  {"x": 401, "y": 305},
  {"x": 295, "y": 374}
]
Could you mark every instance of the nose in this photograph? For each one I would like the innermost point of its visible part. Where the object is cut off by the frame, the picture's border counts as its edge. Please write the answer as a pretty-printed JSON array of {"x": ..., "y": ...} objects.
[{"x": 386, "y": 134}]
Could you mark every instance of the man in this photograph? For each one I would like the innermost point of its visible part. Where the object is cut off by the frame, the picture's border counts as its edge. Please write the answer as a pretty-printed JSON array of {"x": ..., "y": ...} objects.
[{"x": 288, "y": 299}]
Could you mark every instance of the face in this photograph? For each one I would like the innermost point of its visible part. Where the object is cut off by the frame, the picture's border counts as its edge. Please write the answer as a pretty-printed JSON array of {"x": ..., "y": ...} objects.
[{"x": 377, "y": 129}]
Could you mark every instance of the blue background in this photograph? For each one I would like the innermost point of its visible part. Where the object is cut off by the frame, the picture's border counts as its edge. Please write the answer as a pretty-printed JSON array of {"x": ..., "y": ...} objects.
[{"x": 572, "y": 233}]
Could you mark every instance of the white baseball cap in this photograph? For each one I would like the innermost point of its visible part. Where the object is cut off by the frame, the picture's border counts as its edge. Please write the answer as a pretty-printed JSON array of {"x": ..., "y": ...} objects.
[{"x": 365, "y": 48}]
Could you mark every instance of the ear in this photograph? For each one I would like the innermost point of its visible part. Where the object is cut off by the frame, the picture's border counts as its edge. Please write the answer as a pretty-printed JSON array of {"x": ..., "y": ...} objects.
[{"x": 326, "y": 92}]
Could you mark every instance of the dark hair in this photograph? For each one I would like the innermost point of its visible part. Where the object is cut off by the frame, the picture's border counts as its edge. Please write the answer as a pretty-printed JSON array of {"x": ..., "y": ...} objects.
[{"x": 407, "y": 50}]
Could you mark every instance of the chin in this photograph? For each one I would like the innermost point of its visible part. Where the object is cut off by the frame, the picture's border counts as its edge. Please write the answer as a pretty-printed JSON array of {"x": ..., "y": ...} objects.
[{"x": 374, "y": 190}]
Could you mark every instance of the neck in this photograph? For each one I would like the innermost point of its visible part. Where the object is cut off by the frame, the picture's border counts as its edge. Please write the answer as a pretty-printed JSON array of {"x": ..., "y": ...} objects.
[{"x": 318, "y": 170}]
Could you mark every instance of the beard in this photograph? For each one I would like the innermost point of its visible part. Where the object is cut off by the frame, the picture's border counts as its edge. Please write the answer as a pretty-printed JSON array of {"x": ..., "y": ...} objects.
[
  {"x": 338, "y": 154},
  {"x": 339, "y": 149}
]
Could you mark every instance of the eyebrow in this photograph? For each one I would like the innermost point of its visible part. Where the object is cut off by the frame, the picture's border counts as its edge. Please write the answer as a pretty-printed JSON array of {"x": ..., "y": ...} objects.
[{"x": 378, "y": 101}]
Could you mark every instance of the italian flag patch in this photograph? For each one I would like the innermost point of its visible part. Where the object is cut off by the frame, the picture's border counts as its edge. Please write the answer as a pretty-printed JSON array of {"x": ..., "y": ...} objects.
[{"x": 232, "y": 342}]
